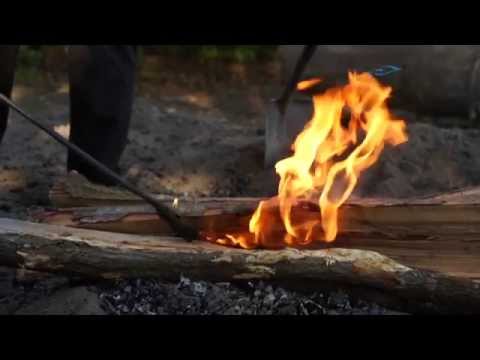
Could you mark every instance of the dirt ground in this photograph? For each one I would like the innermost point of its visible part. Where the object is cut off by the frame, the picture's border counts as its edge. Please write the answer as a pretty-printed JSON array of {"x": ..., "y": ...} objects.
[{"x": 194, "y": 135}]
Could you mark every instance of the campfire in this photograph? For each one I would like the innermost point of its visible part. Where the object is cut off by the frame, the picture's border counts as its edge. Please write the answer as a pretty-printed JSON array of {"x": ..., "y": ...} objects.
[
  {"x": 415, "y": 250},
  {"x": 348, "y": 131},
  {"x": 420, "y": 251}
]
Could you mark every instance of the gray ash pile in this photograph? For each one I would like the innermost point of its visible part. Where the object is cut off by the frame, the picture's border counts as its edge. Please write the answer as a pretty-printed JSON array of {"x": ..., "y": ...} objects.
[{"x": 187, "y": 297}]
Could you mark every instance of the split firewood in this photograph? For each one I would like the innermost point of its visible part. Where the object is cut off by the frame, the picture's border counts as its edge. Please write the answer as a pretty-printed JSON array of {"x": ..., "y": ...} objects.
[
  {"x": 102, "y": 255},
  {"x": 440, "y": 233}
]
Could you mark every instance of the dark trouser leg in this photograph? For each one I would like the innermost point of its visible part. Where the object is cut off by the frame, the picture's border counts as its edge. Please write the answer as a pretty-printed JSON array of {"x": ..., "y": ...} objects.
[
  {"x": 8, "y": 60},
  {"x": 102, "y": 85}
]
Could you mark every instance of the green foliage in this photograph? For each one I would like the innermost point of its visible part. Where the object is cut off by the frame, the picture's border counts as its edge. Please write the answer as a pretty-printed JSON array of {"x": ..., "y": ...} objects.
[
  {"x": 28, "y": 64},
  {"x": 30, "y": 56},
  {"x": 239, "y": 53}
]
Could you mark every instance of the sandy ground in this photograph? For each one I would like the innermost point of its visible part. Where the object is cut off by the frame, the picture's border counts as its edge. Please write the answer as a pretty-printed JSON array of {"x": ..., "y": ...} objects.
[
  {"x": 175, "y": 149},
  {"x": 196, "y": 143}
]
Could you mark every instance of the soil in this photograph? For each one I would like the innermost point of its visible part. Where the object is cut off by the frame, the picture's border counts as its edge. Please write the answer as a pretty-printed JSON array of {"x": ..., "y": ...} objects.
[{"x": 191, "y": 135}]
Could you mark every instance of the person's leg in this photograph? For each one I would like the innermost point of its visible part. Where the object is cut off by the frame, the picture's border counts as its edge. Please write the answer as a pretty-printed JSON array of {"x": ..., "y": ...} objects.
[
  {"x": 102, "y": 85},
  {"x": 8, "y": 60}
]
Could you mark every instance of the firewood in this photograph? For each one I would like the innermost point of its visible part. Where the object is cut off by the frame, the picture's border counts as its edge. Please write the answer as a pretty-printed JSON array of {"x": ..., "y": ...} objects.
[
  {"x": 103, "y": 255},
  {"x": 440, "y": 233}
]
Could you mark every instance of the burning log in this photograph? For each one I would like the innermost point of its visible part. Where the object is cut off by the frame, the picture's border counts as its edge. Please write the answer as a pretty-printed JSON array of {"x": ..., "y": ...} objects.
[
  {"x": 329, "y": 156},
  {"x": 104, "y": 255},
  {"x": 438, "y": 233}
]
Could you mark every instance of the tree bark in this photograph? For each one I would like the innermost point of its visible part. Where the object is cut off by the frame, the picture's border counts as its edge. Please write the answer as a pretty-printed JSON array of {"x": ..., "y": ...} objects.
[
  {"x": 103, "y": 255},
  {"x": 439, "y": 233}
]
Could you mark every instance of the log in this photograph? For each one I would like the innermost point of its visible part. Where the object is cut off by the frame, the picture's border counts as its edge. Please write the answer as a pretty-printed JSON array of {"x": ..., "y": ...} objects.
[
  {"x": 438, "y": 233},
  {"x": 455, "y": 252},
  {"x": 103, "y": 255}
]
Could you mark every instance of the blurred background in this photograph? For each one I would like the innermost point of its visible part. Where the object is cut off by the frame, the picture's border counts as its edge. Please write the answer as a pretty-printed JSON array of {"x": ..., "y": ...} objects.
[
  {"x": 211, "y": 75},
  {"x": 198, "y": 122}
]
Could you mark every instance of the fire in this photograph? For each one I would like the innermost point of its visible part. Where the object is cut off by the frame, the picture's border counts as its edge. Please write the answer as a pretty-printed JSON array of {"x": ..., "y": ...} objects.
[
  {"x": 328, "y": 158},
  {"x": 306, "y": 84}
]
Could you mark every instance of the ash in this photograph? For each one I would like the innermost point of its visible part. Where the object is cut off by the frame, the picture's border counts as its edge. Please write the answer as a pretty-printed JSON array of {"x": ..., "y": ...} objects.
[{"x": 187, "y": 297}]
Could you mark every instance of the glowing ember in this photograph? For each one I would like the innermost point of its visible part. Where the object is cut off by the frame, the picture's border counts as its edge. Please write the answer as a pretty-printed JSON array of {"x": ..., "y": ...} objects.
[
  {"x": 306, "y": 84},
  {"x": 327, "y": 162}
]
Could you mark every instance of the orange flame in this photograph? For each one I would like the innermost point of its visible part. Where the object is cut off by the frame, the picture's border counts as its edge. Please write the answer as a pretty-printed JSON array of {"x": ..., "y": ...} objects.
[
  {"x": 327, "y": 161},
  {"x": 307, "y": 84}
]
